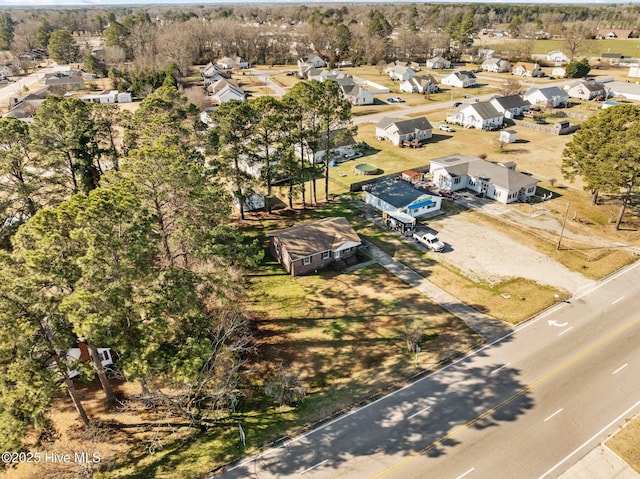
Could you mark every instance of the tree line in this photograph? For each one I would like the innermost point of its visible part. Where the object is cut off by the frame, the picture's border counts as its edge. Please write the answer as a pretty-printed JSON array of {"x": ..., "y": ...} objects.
[
  {"x": 117, "y": 233},
  {"x": 151, "y": 38}
]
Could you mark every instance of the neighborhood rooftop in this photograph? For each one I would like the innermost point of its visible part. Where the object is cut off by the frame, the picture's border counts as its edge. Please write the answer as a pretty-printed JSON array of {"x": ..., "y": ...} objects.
[
  {"x": 395, "y": 191},
  {"x": 322, "y": 235},
  {"x": 507, "y": 178}
]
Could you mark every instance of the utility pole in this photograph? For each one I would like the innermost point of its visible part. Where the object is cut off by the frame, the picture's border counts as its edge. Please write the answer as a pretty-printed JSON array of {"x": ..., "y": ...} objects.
[{"x": 564, "y": 222}]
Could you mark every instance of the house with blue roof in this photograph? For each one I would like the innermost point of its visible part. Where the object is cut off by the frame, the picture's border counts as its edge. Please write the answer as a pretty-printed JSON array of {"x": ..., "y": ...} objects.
[{"x": 400, "y": 200}]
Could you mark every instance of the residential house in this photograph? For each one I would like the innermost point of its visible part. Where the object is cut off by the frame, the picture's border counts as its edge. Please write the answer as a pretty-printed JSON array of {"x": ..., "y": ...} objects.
[
  {"x": 343, "y": 146},
  {"x": 612, "y": 58},
  {"x": 313, "y": 61},
  {"x": 587, "y": 90},
  {"x": 353, "y": 93},
  {"x": 252, "y": 201},
  {"x": 24, "y": 107},
  {"x": 461, "y": 79},
  {"x": 485, "y": 53},
  {"x": 107, "y": 97},
  {"x": 556, "y": 57},
  {"x": 309, "y": 247},
  {"x": 225, "y": 90},
  {"x": 227, "y": 63},
  {"x": 438, "y": 63},
  {"x": 549, "y": 97},
  {"x": 83, "y": 353},
  {"x": 626, "y": 89},
  {"x": 510, "y": 106},
  {"x": 527, "y": 70},
  {"x": 397, "y": 197},
  {"x": 496, "y": 65},
  {"x": 63, "y": 81},
  {"x": 559, "y": 72},
  {"x": 420, "y": 84},
  {"x": 479, "y": 115},
  {"x": 212, "y": 73},
  {"x": 500, "y": 182},
  {"x": 401, "y": 73},
  {"x": 322, "y": 74},
  {"x": 604, "y": 33},
  {"x": 398, "y": 131}
]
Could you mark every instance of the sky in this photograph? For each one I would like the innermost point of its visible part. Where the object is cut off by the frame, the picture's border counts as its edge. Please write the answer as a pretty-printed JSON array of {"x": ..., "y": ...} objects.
[{"x": 87, "y": 3}]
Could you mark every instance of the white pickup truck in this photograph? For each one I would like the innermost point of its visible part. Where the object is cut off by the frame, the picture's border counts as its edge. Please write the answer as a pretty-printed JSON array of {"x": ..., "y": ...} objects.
[{"x": 430, "y": 240}]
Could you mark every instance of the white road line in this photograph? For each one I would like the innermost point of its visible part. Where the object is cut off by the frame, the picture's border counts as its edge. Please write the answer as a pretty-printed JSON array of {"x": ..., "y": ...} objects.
[
  {"x": 466, "y": 473},
  {"x": 565, "y": 331},
  {"x": 620, "y": 368},
  {"x": 586, "y": 443},
  {"x": 313, "y": 467},
  {"x": 618, "y": 300},
  {"x": 501, "y": 367},
  {"x": 557, "y": 412},
  {"x": 419, "y": 412}
]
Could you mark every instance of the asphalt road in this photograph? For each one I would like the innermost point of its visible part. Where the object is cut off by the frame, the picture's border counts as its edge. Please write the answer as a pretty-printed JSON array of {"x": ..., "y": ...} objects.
[{"x": 528, "y": 405}]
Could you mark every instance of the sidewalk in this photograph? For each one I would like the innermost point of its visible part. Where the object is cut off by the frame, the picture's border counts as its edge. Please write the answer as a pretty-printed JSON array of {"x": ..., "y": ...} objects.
[
  {"x": 600, "y": 463},
  {"x": 486, "y": 326}
]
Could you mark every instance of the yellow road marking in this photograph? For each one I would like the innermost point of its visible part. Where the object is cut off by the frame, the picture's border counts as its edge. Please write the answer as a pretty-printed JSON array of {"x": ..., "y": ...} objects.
[{"x": 513, "y": 397}]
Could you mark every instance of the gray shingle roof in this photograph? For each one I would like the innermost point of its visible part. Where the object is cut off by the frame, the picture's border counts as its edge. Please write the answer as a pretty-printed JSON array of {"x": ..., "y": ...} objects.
[
  {"x": 500, "y": 176},
  {"x": 485, "y": 110},
  {"x": 511, "y": 101}
]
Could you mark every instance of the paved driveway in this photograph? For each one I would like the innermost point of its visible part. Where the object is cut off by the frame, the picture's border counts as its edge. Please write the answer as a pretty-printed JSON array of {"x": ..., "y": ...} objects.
[{"x": 484, "y": 254}]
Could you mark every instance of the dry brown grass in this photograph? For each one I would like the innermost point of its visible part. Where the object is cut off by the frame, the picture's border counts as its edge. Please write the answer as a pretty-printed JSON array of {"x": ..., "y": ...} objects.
[{"x": 627, "y": 445}]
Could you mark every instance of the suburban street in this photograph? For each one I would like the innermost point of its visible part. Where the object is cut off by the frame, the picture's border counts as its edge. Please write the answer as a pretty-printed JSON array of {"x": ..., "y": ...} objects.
[
  {"x": 528, "y": 405},
  {"x": 17, "y": 88}
]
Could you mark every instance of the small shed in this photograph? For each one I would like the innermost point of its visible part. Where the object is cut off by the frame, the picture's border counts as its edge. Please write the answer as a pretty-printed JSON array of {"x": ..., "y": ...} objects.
[
  {"x": 507, "y": 136},
  {"x": 561, "y": 125},
  {"x": 412, "y": 176}
]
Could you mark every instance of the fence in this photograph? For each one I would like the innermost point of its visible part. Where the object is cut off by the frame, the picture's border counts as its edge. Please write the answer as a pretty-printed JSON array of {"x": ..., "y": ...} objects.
[{"x": 547, "y": 129}]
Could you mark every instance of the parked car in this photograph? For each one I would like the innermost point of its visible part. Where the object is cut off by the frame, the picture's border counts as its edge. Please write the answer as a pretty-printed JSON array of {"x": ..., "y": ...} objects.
[
  {"x": 429, "y": 240},
  {"x": 395, "y": 99},
  {"x": 391, "y": 100},
  {"x": 447, "y": 128},
  {"x": 457, "y": 104}
]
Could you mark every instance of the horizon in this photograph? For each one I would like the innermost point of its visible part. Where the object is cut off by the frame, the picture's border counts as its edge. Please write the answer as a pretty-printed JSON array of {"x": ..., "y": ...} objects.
[{"x": 43, "y": 4}]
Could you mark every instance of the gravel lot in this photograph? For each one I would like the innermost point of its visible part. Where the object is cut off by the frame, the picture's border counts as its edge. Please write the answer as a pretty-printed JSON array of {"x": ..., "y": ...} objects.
[{"x": 487, "y": 255}]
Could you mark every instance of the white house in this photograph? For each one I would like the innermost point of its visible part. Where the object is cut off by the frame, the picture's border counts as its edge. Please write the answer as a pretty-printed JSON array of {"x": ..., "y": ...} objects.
[
  {"x": 461, "y": 79},
  {"x": 212, "y": 73},
  {"x": 559, "y": 72},
  {"x": 549, "y": 97},
  {"x": 399, "y": 131},
  {"x": 107, "y": 97},
  {"x": 634, "y": 72},
  {"x": 397, "y": 198},
  {"x": 420, "y": 84},
  {"x": 227, "y": 63},
  {"x": 83, "y": 353},
  {"x": 480, "y": 115},
  {"x": 438, "y": 63},
  {"x": 496, "y": 181},
  {"x": 557, "y": 57},
  {"x": 511, "y": 105},
  {"x": 496, "y": 65},
  {"x": 507, "y": 136},
  {"x": 225, "y": 90},
  {"x": 355, "y": 94},
  {"x": 401, "y": 73},
  {"x": 343, "y": 146},
  {"x": 587, "y": 90},
  {"x": 527, "y": 70}
]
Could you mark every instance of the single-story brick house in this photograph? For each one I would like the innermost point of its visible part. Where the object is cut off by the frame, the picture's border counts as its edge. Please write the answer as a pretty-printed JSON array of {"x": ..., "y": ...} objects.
[{"x": 307, "y": 247}]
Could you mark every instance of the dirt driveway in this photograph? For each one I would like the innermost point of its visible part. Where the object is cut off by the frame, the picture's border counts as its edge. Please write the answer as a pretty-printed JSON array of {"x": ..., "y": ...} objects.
[{"x": 484, "y": 254}]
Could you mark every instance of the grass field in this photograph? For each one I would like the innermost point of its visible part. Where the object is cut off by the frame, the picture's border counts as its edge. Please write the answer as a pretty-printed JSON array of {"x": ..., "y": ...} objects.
[{"x": 626, "y": 443}]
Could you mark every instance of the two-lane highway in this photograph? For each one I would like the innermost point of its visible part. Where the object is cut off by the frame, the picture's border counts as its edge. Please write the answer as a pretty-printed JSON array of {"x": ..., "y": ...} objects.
[{"x": 527, "y": 405}]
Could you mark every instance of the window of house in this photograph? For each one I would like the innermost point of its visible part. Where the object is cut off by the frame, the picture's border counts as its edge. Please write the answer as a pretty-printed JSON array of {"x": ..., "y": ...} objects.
[
  {"x": 326, "y": 254},
  {"x": 306, "y": 260},
  {"x": 456, "y": 180}
]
